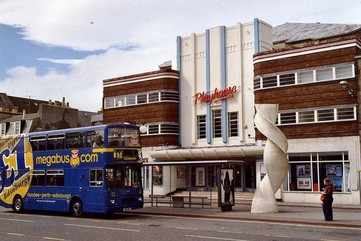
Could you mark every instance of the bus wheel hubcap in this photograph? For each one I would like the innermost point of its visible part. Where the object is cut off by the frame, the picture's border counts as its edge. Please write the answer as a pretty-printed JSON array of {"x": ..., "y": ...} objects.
[
  {"x": 17, "y": 204},
  {"x": 76, "y": 208}
]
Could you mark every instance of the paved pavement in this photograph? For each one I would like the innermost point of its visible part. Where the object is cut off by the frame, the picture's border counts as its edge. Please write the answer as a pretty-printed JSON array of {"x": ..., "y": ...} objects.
[
  {"x": 138, "y": 227},
  {"x": 344, "y": 216}
]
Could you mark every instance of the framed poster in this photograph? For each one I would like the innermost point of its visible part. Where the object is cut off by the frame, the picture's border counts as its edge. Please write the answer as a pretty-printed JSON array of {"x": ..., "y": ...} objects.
[
  {"x": 304, "y": 183},
  {"x": 200, "y": 176},
  {"x": 301, "y": 170}
]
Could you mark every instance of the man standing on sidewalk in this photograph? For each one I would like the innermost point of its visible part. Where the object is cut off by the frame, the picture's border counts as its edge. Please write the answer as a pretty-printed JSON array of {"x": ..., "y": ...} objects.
[{"x": 327, "y": 199}]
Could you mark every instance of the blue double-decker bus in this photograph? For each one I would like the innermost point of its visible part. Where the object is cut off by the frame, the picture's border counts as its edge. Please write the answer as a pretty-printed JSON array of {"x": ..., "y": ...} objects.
[{"x": 89, "y": 169}]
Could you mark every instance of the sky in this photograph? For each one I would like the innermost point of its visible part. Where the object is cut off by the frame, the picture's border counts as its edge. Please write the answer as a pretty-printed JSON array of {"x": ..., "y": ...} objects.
[{"x": 51, "y": 49}]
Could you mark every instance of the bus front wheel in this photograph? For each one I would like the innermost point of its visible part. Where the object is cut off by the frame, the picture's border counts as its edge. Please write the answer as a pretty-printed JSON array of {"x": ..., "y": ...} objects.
[
  {"x": 76, "y": 208},
  {"x": 18, "y": 204}
]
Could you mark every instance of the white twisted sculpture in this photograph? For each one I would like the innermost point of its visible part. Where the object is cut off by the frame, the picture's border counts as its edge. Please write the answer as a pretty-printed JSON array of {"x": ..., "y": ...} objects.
[{"x": 274, "y": 158}]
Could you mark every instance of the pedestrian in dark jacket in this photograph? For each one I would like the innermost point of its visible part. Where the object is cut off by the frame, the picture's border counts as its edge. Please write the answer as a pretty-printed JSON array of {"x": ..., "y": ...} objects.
[{"x": 327, "y": 199}]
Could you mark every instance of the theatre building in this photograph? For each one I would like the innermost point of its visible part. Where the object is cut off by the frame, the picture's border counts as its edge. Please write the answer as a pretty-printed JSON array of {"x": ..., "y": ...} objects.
[
  {"x": 216, "y": 108},
  {"x": 313, "y": 73}
]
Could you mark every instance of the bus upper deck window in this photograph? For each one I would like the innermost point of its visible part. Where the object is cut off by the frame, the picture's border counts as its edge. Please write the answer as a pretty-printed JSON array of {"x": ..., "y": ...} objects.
[
  {"x": 73, "y": 140},
  {"x": 38, "y": 143},
  {"x": 55, "y": 142},
  {"x": 94, "y": 139}
]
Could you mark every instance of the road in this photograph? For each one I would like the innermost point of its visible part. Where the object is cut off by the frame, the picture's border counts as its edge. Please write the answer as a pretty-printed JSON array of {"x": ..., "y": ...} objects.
[{"x": 42, "y": 227}]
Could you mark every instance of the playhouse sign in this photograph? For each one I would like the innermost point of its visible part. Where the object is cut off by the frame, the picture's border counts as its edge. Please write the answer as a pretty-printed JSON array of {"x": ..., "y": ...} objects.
[{"x": 216, "y": 95}]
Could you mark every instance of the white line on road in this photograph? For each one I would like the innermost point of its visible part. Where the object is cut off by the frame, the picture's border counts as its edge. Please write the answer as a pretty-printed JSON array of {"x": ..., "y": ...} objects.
[
  {"x": 16, "y": 234},
  {"x": 50, "y": 238},
  {"x": 129, "y": 223},
  {"x": 214, "y": 238},
  {"x": 99, "y": 227},
  {"x": 186, "y": 228},
  {"x": 17, "y": 220}
]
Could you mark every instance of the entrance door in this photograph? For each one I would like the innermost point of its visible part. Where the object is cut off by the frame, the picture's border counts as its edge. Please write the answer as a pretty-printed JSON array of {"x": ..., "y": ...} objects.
[{"x": 239, "y": 178}]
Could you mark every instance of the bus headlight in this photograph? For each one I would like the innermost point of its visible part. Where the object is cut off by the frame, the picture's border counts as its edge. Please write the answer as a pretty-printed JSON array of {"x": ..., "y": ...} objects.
[{"x": 112, "y": 201}]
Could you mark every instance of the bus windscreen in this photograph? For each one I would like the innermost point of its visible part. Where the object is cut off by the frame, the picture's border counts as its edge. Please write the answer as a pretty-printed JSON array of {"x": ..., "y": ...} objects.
[{"x": 123, "y": 137}]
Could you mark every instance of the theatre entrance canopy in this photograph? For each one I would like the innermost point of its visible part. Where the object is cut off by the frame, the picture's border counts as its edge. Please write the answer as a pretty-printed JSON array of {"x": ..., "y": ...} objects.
[
  {"x": 183, "y": 156},
  {"x": 200, "y": 168}
]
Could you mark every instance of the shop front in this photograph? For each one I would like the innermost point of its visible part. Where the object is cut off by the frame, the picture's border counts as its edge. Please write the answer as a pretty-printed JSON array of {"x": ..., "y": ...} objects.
[{"x": 200, "y": 170}]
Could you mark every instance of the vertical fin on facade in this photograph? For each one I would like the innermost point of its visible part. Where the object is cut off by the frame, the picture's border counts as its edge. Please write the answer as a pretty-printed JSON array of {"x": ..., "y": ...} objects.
[
  {"x": 179, "y": 68},
  {"x": 223, "y": 43},
  {"x": 208, "y": 86},
  {"x": 257, "y": 46}
]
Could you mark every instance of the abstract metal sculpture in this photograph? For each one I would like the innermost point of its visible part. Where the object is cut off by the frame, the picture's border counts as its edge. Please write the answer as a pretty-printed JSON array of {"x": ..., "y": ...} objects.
[{"x": 274, "y": 158}]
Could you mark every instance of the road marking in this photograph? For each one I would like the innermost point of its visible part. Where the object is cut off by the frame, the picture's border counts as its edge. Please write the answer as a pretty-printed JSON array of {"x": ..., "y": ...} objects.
[
  {"x": 50, "y": 238},
  {"x": 16, "y": 234},
  {"x": 255, "y": 221},
  {"x": 215, "y": 238},
  {"x": 186, "y": 228},
  {"x": 129, "y": 223},
  {"x": 17, "y": 220},
  {"x": 99, "y": 227}
]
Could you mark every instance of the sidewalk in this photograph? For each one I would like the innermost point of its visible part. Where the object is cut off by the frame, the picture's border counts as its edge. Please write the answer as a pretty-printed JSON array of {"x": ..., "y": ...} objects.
[{"x": 290, "y": 213}]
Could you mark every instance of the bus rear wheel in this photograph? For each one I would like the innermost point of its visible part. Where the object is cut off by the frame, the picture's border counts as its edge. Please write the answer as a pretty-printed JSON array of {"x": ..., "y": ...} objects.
[
  {"x": 18, "y": 204},
  {"x": 76, "y": 208}
]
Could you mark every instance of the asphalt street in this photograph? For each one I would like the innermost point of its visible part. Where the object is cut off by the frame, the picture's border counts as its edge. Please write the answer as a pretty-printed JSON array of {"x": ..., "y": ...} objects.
[{"x": 125, "y": 227}]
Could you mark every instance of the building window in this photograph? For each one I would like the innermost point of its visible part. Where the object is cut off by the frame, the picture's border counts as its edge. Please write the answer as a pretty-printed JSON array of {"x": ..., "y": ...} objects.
[
  {"x": 141, "y": 99},
  {"x": 325, "y": 115},
  {"x": 269, "y": 81},
  {"x": 343, "y": 113},
  {"x": 344, "y": 71},
  {"x": 108, "y": 102},
  {"x": 119, "y": 101},
  {"x": 201, "y": 126},
  {"x": 165, "y": 95},
  {"x": 153, "y": 97},
  {"x": 153, "y": 129},
  {"x": 257, "y": 83},
  {"x": 2, "y": 129},
  {"x": 306, "y": 116},
  {"x": 308, "y": 170},
  {"x": 288, "y": 118},
  {"x": 130, "y": 100},
  {"x": 157, "y": 172},
  {"x": 287, "y": 79},
  {"x": 217, "y": 123},
  {"x": 305, "y": 77},
  {"x": 233, "y": 124},
  {"x": 169, "y": 128},
  {"x": 346, "y": 113},
  {"x": 337, "y": 72},
  {"x": 324, "y": 74}
]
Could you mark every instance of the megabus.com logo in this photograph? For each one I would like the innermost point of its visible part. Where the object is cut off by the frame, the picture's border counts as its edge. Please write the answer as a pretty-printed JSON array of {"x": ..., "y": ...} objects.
[{"x": 73, "y": 160}]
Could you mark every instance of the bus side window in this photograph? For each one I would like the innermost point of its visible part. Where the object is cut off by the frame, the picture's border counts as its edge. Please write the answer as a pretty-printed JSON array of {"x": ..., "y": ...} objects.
[
  {"x": 55, "y": 142},
  {"x": 73, "y": 140},
  {"x": 96, "y": 178},
  {"x": 38, "y": 178},
  {"x": 38, "y": 143},
  {"x": 95, "y": 139},
  {"x": 55, "y": 178}
]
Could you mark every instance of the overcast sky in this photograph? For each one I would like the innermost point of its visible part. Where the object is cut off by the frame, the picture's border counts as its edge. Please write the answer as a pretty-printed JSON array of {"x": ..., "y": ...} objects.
[{"x": 50, "y": 49}]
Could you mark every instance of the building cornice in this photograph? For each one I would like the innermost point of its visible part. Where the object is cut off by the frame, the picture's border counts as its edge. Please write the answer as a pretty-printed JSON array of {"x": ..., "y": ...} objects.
[
  {"x": 307, "y": 50},
  {"x": 115, "y": 82}
]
